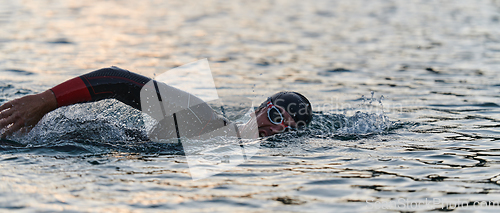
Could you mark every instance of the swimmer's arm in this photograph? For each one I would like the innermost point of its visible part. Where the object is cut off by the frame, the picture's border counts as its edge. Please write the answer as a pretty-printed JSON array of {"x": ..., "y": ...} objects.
[
  {"x": 24, "y": 113},
  {"x": 113, "y": 82}
]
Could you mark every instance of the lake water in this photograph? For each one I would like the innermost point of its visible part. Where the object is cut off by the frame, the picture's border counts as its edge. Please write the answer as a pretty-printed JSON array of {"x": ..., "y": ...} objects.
[{"x": 405, "y": 94}]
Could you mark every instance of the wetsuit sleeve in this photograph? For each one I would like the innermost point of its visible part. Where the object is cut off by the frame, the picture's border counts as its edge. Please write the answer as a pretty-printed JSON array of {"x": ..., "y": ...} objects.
[{"x": 113, "y": 82}]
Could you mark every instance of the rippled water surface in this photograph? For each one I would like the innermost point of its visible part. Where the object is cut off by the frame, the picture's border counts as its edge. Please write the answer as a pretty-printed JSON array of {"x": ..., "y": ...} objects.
[{"x": 405, "y": 94}]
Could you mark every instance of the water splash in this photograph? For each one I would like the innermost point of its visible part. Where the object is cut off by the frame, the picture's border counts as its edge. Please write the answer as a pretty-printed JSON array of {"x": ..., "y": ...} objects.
[
  {"x": 362, "y": 123},
  {"x": 92, "y": 128},
  {"x": 107, "y": 120},
  {"x": 371, "y": 99},
  {"x": 110, "y": 126}
]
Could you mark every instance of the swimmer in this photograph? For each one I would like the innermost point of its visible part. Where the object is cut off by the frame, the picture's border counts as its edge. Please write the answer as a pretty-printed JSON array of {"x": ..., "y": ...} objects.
[{"x": 283, "y": 111}]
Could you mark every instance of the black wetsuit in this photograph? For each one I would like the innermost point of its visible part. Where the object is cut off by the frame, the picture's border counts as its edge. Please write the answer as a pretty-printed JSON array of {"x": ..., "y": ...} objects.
[
  {"x": 179, "y": 121},
  {"x": 105, "y": 83}
]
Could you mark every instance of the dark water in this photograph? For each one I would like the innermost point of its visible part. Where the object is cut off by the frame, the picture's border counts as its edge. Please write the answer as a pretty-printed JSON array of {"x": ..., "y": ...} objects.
[{"x": 425, "y": 139}]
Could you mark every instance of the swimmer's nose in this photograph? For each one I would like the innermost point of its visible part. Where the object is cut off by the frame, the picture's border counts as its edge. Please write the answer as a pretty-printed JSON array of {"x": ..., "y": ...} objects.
[{"x": 277, "y": 128}]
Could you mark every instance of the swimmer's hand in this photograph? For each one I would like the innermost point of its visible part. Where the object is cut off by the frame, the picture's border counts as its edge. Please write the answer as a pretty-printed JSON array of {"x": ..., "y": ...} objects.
[{"x": 24, "y": 113}]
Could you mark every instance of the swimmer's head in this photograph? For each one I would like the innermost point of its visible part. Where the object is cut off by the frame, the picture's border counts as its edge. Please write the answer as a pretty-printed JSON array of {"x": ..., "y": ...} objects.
[{"x": 282, "y": 111}]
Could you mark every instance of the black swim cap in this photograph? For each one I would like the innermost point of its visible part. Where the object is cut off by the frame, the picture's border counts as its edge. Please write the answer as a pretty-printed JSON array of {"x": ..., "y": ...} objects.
[{"x": 295, "y": 104}]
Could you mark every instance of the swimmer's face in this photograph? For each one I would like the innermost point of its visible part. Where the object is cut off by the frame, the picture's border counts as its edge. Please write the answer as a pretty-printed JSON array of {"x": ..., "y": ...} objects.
[{"x": 267, "y": 128}]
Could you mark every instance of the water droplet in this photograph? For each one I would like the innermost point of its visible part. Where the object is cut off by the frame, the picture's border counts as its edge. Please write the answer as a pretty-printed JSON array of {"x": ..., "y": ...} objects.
[{"x": 371, "y": 99}]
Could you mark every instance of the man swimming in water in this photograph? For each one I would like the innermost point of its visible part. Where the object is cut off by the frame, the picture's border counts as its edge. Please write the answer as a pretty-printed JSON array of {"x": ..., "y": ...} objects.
[{"x": 281, "y": 112}]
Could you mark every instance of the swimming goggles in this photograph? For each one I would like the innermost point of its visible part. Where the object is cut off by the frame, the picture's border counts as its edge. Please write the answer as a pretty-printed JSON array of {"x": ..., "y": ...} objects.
[{"x": 276, "y": 117}]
